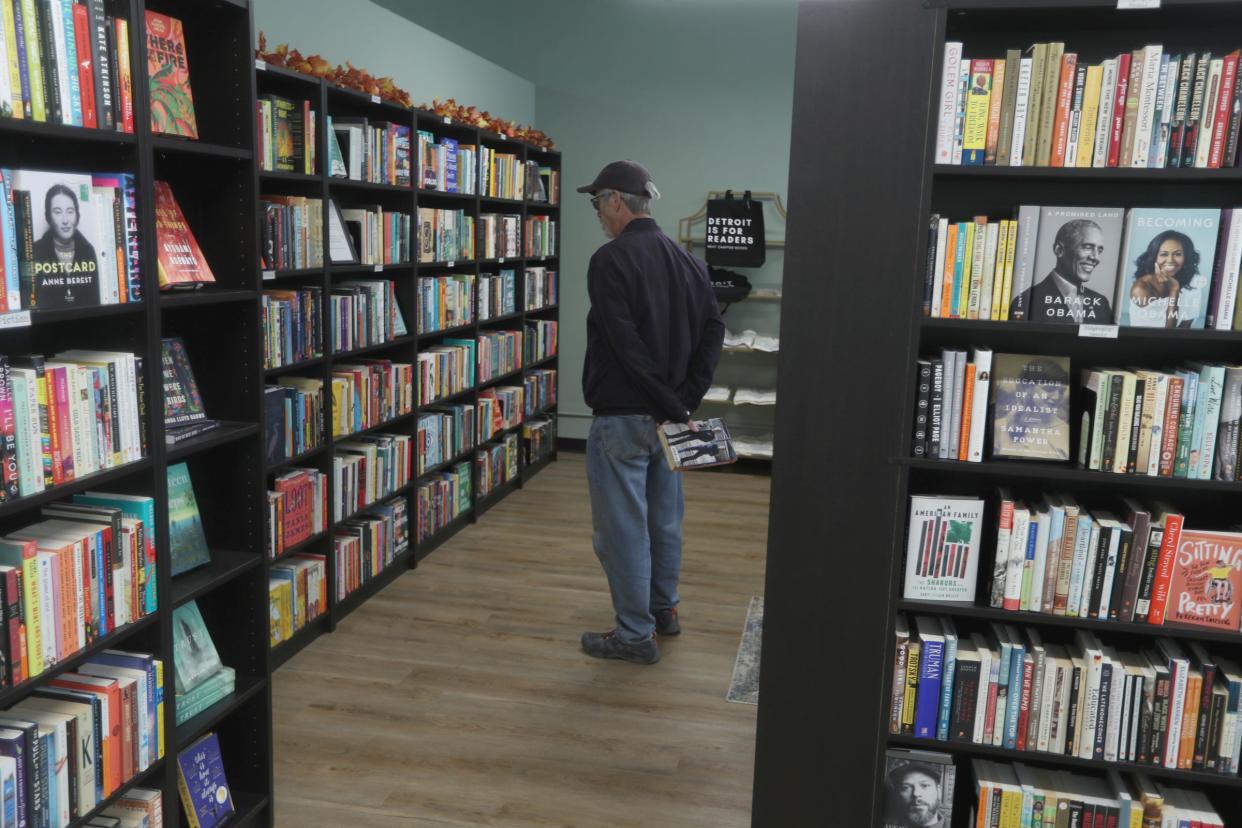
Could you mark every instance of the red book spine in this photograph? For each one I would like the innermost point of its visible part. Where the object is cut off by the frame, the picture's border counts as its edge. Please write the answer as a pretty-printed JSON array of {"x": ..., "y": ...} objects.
[
  {"x": 1024, "y": 704},
  {"x": 1119, "y": 109},
  {"x": 1064, "y": 110},
  {"x": 125, "y": 73},
  {"x": 64, "y": 420},
  {"x": 1164, "y": 569},
  {"x": 1172, "y": 414},
  {"x": 1224, "y": 102},
  {"x": 989, "y": 716},
  {"x": 18, "y": 667},
  {"x": 86, "y": 64}
]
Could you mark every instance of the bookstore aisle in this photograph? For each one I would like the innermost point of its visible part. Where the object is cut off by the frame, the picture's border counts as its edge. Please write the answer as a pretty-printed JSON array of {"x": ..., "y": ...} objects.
[{"x": 458, "y": 696}]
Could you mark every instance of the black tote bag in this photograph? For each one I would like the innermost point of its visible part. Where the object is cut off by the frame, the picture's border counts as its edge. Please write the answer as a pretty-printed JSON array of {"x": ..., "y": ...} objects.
[{"x": 735, "y": 231}]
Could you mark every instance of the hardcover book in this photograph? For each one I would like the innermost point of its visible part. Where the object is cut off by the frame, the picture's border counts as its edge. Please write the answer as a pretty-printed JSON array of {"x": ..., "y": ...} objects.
[
  {"x": 1075, "y": 267},
  {"x": 181, "y": 261},
  {"x": 202, "y": 784},
  {"x": 182, "y": 402},
  {"x": 186, "y": 540},
  {"x": 709, "y": 446},
  {"x": 1166, "y": 271},
  {"x": 1206, "y": 580},
  {"x": 942, "y": 548},
  {"x": 58, "y": 248},
  {"x": 1030, "y": 407},
  {"x": 172, "y": 103},
  {"x": 194, "y": 653},
  {"x": 918, "y": 787}
]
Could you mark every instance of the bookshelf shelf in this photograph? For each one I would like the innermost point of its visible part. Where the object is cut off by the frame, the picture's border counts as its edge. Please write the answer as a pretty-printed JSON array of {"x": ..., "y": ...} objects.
[
  {"x": 294, "y": 367},
  {"x": 457, "y": 329},
  {"x": 448, "y": 530},
  {"x": 1070, "y": 333},
  {"x": 226, "y": 564},
  {"x": 451, "y": 398},
  {"x": 55, "y": 315},
  {"x": 227, "y": 432},
  {"x": 448, "y": 265},
  {"x": 545, "y": 309},
  {"x": 179, "y": 146},
  {"x": 437, "y": 195},
  {"x": 248, "y": 810},
  {"x": 539, "y": 363},
  {"x": 66, "y": 490},
  {"x": 246, "y": 688},
  {"x": 269, "y": 275},
  {"x": 398, "y": 342},
  {"x": 397, "y": 492},
  {"x": 296, "y": 460},
  {"x": 363, "y": 269},
  {"x": 501, "y": 378},
  {"x": 1088, "y": 175},
  {"x": 42, "y": 131},
  {"x": 504, "y": 202},
  {"x": 205, "y": 296},
  {"x": 301, "y": 546},
  {"x": 1011, "y": 470},
  {"x": 360, "y": 595},
  {"x": 542, "y": 207},
  {"x": 271, "y": 70},
  {"x": 351, "y": 184},
  {"x": 508, "y": 317},
  {"x": 452, "y": 461},
  {"x": 289, "y": 177},
  {"x": 139, "y": 780},
  {"x": 285, "y": 650},
  {"x": 387, "y": 425}
]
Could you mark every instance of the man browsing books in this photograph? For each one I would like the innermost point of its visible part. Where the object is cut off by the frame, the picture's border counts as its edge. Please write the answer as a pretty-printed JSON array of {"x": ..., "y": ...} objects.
[{"x": 653, "y": 339}]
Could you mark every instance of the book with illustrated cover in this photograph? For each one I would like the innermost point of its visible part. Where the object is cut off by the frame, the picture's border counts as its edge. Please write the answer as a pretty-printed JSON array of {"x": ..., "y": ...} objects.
[
  {"x": 200, "y": 780},
  {"x": 918, "y": 787},
  {"x": 709, "y": 446},
  {"x": 184, "y": 415},
  {"x": 186, "y": 539},
  {"x": 1075, "y": 266},
  {"x": 1206, "y": 580},
  {"x": 1030, "y": 407},
  {"x": 194, "y": 653},
  {"x": 172, "y": 103},
  {"x": 942, "y": 548},
  {"x": 181, "y": 261},
  {"x": 1166, "y": 269}
]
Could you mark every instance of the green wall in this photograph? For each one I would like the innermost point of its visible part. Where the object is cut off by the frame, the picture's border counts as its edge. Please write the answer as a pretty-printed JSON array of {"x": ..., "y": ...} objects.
[{"x": 383, "y": 43}]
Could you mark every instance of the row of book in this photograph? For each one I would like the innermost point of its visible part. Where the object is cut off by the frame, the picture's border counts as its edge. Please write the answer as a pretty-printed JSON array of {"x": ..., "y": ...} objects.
[
  {"x": 370, "y": 393},
  {"x": 368, "y": 544},
  {"x": 368, "y": 468},
  {"x": 500, "y": 408},
  {"x": 1149, "y": 267},
  {"x": 137, "y": 808},
  {"x": 543, "y": 183},
  {"x": 297, "y": 594},
  {"x": 445, "y": 301},
  {"x": 379, "y": 236},
  {"x": 497, "y": 294},
  {"x": 540, "y": 386},
  {"x": 443, "y": 497},
  {"x": 446, "y": 165},
  {"x": 498, "y": 236},
  {"x": 500, "y": 353},
  {"x": 1138, "y": 563},
  {"x": 445, "y": 235},
  {"x": 541, "y": 288},
  {"x": 502, "y": 175},
  {"x": 292, "y": 326},
  {"x": 540, "y": 339},
  {"x": 496, "y": 464},
  {"x": 293, "y": 417},
  {"x": 1006, "y": 687},
  {"x": 444, "y": 433},
  {"x": 44, "y": 214},
  {"x": 540, "y": 238},
  {"x": 292, "y": 230},
  {"x": 539, "y": 437},
  {"x": 69, "y": 63},
  {"x": 1043, "y": 107},
  {"x": 446, "y": 369},
  {"x": 76, "y": 740},
  {"x": 374, "y": 152},
  {"x": 365, "y": 312},
  {"x": 286, "y": 135},
  {"x": 69, "y": 415},
  {"x": 297, "y": 509}
]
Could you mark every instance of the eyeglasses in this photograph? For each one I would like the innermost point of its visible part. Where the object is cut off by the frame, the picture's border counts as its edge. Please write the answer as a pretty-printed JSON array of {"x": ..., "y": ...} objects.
[{"x": 596, "y": 199}]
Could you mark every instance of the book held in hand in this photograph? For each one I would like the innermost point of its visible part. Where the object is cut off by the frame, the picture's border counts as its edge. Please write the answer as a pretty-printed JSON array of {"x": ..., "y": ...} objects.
[
  {"x": 707, "y": 447},
  {"x": 942, "y": 549}
]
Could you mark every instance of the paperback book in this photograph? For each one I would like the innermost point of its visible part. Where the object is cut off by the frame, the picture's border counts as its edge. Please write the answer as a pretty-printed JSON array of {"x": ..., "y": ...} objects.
[
  {"x": 1206, "y": 580},
  {"x": 942, "y": 548},
  {"x": 202, "y": 784},
  {"x": 703, "y": 448}
]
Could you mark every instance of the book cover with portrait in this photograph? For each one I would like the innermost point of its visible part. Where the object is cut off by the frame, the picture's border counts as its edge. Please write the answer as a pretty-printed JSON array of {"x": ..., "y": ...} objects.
[
  {"x": 60, "y": 254},
  {"x": 1166, "y": 268},
  {"x": 1030, "y": 407},
  {"x": 1206, "y": 580},
  {"x": 1074, "y": 274},
  {"x": 918, "y": 788}
]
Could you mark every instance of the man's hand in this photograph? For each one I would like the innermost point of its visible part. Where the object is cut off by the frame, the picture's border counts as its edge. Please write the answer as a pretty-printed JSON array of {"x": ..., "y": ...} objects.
[{"x": 691, "y": 423}]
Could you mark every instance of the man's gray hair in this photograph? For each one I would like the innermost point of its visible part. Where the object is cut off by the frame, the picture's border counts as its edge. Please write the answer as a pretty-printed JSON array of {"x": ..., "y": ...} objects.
[{"x": 639, "y": 205}]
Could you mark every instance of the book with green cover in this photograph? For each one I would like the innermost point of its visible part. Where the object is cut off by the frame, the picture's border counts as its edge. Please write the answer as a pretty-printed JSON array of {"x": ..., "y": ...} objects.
[
  {"x": 194, "y": 653},
  {"x": 336, "y": 161},
  {"x": 186, "y": 540},
  {"x": 213, "y": 688}
]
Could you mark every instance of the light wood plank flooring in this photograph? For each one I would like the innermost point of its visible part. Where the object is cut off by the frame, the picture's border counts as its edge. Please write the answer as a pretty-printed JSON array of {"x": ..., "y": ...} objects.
[{"x": 459, "y": 696}]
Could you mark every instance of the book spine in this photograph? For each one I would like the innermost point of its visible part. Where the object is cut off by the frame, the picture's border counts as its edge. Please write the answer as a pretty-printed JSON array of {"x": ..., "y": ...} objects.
[
  {"x": 1164, "y": 569},
  {"x": 1195, "y": 114},
  {"x": 124, "y": 74},
  {"x": 1134, "y": 92},
  {"x": 1235, "y": 125},
  {"x": 86, "y": 63},
  {"x": 1224, "y": 103},
  {"x": 1021, "y": 110},
  {"x": 29, "y": 26},
  {"x": 1168, "y": 446},
  {"x": 8, "y": 436},
  {"x": 1064, "y": 109},
  {"x": 1148, "y": 89},
  {"x": 71, "y": 63},
  {"x": 97, "y": 18},
  {"x": 923, "y": 396},
  {"x": 51, "y": 66},
  {"x": 1048, "y": 103},
  {"x": 1120, "y": 96},
  {"x": 1104, "y": 121}
]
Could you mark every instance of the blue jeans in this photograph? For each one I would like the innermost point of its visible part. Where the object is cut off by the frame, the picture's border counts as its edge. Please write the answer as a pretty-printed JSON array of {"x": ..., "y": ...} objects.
[{"x": 636, "y": 509}]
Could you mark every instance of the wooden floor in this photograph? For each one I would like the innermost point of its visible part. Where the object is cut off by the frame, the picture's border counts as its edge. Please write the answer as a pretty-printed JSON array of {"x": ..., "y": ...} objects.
[{"x": 458, "y": 696}]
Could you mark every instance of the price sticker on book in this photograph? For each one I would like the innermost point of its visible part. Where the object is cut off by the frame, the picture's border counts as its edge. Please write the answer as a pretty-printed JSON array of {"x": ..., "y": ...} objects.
[
  {"x": 1137, "y": 4},
  {"x": 449, "y": 264},
  {"x": 448, "y": 120},
  {"x": 16, "y": 319},
  {"x": 1098, "y": 331},
  {"x": 501, "y": 260},
  {"x": 378, "y": 268},
  {"x": 375, "y": 99},
  {"x": 261, "y": 65},
  {"x": 269, "y": 275}
]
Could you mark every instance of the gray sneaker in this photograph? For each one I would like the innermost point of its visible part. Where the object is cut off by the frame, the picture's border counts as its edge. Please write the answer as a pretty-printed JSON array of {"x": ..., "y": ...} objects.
[
  {"x": 666, "y": 622},
  {"x": 607, "y": 645}
]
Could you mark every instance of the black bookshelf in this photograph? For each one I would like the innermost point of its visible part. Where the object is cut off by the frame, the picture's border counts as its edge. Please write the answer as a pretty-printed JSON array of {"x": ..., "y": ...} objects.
[{"x": 813, "y": 725}]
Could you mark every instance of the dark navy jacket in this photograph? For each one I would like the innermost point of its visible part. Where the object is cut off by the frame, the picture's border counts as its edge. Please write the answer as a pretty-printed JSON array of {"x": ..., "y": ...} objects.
[{"x": 654, "y": 331}]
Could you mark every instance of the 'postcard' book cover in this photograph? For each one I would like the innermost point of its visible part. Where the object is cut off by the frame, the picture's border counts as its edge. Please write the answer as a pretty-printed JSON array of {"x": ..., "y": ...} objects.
[
  {"x": 1207, "y": 578},
  {"x": 1075, "y": 270},
  {"x": 1166, "y": 273},
  {"x": 63, "y": 260},
  {"x": 942, "y": 549},
  {"x": 168, "y": 67},
  {"x": 1030, "y": 407}
]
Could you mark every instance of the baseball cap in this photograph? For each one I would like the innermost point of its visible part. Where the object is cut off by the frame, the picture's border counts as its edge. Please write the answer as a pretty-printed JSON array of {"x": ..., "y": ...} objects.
[{"x": 624, "y": 177}]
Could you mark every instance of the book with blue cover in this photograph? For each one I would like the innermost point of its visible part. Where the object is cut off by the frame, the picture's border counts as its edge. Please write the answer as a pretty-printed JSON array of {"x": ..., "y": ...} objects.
[
  {"x": 186, "y": 540},
  {"x": 202, "y": 784},
  {"x": 1166, "y": 267}
]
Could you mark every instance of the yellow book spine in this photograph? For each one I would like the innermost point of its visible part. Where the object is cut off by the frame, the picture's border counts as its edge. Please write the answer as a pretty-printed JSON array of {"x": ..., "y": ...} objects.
[
  {"x": 975, "y": 127},
  {"x": 15, "y": 72},
  {"x": 1090, "y": 115},
  {"x": 963, "y": 289},
  {"x": 187, "y": 802},
  {"x": 1011, "y": 809},
  {"x": 159, "y": 707},
  {"x": 998, "y": 273},
  {"x": 977, "y": 264},
  {"x": 1010, "y": 254},
  {"x": 34, "y": 62},
  {"x": 912, "y": 686},
  {"x": 33, "y": 616}
]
